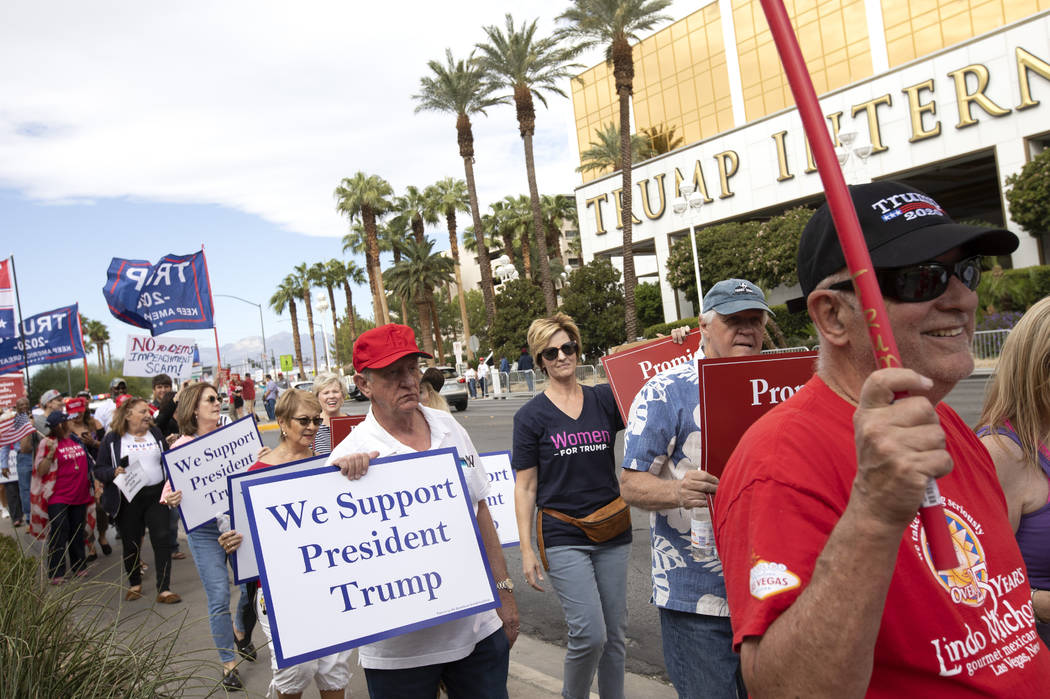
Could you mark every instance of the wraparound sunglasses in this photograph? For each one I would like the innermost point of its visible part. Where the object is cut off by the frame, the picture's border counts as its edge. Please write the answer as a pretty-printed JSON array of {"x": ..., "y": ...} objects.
[{"x": 924, "y": 281}]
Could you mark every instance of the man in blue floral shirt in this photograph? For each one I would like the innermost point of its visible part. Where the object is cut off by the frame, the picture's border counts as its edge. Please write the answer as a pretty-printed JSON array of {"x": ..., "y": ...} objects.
[{"x": 661, "y": 473}]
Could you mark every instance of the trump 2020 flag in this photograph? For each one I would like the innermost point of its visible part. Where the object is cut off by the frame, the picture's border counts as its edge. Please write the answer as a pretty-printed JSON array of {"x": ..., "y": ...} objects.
[
  {"x": 173, "y": 294},
  {"x": 7, "y": 301},
  {"x": 48, "y": 337}
]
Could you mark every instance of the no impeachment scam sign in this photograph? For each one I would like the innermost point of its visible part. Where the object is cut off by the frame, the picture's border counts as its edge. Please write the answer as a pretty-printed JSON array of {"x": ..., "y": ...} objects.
[
  {"x": 146, "y": 356},
  {"x": 501, "y": 496},
  {"x": 200, "y": 468},
  {"x": 344, "y": 563}
]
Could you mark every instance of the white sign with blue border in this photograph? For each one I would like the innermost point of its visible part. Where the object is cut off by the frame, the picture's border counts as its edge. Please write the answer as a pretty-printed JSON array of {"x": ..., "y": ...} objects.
[
  {"x": 200, "y": 469},
  {"x": 345, "y": 563},
  {"x": 501, "y": 496},
  {"x": 245, "y": 567}
]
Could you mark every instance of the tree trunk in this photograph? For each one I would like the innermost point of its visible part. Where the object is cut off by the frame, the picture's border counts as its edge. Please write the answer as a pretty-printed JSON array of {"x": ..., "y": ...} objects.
[
  {"x": 296, "y": 342},
  {"x": 453, "y": 242},
  {"x": 466, "y": 151},
  {"x": 310, "y": 325},
  {"x": 526, "y": 252},
  {"x": 350, "y": 310},
  {"x": 335, "y": 322},
  {"x": 437, "y": 329},
  {"x": 375, "y": 273},
  {"x": 424, "y": 326},
  {"x": 623, "y": 72},
  {"x": 527, "y": 126}
]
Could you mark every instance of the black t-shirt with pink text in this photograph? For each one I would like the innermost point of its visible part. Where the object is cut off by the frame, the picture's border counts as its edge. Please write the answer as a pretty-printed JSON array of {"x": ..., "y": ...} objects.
[{"x": 576, "y": 466}]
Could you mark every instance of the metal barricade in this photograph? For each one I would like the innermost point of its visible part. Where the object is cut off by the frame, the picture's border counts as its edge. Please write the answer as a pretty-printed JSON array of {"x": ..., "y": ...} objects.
[
  {"x": 785, "y": 350},
  {"x": 522, "y": 381},
  {"x": 586, "y": 374},
  {"x": 987, "y": 344}
]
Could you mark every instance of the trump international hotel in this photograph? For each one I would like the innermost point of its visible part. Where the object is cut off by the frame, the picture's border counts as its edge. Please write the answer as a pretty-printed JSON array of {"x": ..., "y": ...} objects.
[{"x": 951, "y": 96}]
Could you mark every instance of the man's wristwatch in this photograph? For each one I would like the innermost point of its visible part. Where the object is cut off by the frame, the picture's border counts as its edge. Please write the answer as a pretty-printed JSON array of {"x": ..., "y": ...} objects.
[{"x": 505, "y": 584}]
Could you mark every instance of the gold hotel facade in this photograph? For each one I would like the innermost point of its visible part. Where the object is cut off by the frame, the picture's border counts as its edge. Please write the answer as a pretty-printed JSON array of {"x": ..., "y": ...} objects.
[{"x": 952, "y": 96}]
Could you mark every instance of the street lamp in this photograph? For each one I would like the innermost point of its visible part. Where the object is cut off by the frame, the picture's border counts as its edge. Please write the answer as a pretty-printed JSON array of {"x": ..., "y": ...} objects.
[
  {"x": 847, "y": 153},
  {"x": 262, "y": 327},
  {"x": 691, "y": 199},
  {"x": 504, "y": 270}
]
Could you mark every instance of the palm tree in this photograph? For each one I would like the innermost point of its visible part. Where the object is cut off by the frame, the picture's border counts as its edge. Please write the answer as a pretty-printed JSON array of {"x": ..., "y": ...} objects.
[
  {"x": 515, "y": 215},
  {"x": 417, "y": 209},
  {"x": 285, "y": 296},
  {"x": 417, "y": 274},
  {"x": 348, "y": 273},
  {"x": 604, "y": 154},
  {"x": 528, "y": 66},
  {"x": 99, "y": 334},
  {"x": 662, "y": 139},
  {"x": 306, "y": 284},
  {"x": 460, "y": 87},
  {"x": 557, "y": 209},
  {"x": 367, "y": 196},
  {"x": 321, "y": 275},
  {"x": 615, "y": 23},
  {"x": 449, "y": 196}
]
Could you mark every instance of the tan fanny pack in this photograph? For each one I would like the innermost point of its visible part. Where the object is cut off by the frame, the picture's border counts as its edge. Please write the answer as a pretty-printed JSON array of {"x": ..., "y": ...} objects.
[{"x": 603, "y": 524}]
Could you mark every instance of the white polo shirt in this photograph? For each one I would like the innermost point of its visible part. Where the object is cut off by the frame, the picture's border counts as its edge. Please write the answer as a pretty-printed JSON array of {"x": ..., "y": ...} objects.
[{"x": 452, "y": 640}]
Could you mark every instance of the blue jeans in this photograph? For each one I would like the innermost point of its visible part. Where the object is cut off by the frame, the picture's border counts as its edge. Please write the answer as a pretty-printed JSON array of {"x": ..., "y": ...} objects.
[
  {"x": 698, "y": 653},
  {"x": 591, "y": 582},
  {"x": 528, "y": 380},
  {"x": 211, "y": 565},
  {"x": 271, "y": 405},
  {"x": 25, "y": 479},
  {"x": 472, "y": 387},
  {"x": 480, "y": 675}
]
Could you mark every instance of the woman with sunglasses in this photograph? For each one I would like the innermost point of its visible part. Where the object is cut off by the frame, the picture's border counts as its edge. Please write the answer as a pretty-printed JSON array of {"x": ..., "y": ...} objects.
[
  {"x": 199, "y": 412},
  {"x": 564, "y": 462},
  {"x": 328, "y": 388},
  {"x": 298, "y": 414},
  {"x": 1015, "y": 428}
]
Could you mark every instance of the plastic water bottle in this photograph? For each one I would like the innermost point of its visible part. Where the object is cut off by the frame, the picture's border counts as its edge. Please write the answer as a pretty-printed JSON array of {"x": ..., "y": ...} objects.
[{"x": 703, "y": 535}]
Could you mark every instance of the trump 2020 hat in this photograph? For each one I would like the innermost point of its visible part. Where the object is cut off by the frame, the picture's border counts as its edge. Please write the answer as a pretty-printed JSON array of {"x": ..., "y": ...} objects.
[
  {"x": 731, "y": 296},
  {"x": 901, "y": 225},
  {"x": 75, "y": 406},
  {"x": 56, "y": 418},
  {"x": 382, "y": 346}
]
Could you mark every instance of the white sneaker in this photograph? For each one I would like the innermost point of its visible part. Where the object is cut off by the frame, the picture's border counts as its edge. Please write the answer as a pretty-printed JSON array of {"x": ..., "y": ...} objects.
[{"x": 4, "y": 513}]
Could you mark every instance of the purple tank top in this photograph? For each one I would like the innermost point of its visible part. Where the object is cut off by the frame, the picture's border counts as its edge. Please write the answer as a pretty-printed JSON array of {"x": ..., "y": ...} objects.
[{"x": 1033, "y": 532}]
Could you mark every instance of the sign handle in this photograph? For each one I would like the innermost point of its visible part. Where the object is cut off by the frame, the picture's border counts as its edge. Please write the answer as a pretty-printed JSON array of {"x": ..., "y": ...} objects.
[{"x": 858, "y": 261}]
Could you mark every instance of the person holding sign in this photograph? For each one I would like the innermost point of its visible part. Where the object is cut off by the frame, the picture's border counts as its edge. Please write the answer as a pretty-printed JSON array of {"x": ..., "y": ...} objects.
[
  {"x": 832, "y": 586},
  {"x": 563, "y": 457},
  {"x": 470, "y": 654},
  {"x": 130, "y": 469},
  {"x": 298, "y": 414},
  {"x": 199, "y": 412},
  {"x": 662, "y": 473},
  {"x": 328, "y": 388}
]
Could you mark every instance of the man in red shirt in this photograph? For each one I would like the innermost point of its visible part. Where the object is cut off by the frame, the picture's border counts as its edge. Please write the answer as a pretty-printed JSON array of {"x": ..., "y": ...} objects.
[
  {"x": 832, "y": 591},
  {"x": 248, "y": 393}
]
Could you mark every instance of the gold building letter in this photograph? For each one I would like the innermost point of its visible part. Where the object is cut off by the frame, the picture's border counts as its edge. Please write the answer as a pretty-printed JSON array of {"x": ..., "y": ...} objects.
[
  {"x": 916, "y": 108},
  {"x": 596, "y": 203},
  {"x": 965, "y": 98},
  {"x": 1025, "y": 63},
  {"x": 643, "y": 186},
  {"x": 728, "y": 163}
]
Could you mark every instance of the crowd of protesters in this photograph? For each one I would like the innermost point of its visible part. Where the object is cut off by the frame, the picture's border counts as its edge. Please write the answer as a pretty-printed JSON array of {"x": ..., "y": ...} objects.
[{"x": 803, "y": 571}]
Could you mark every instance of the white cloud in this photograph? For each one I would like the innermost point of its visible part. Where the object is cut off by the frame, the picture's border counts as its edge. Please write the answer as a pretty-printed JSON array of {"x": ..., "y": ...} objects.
[{"x": 259, "y": 106}]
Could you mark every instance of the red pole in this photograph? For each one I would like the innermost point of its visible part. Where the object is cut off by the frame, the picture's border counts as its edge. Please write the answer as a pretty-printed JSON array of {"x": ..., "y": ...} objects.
[
  {"x": 214, "y": 327},
  {"x": 81, "y": 329},
  {"x": 854, "y": 249}
]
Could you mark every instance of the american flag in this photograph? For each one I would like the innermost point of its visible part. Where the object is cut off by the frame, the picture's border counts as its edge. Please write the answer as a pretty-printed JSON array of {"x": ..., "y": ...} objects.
[
  {"x": 7, "y": 302},
  {"x": 14, "y": 428}
]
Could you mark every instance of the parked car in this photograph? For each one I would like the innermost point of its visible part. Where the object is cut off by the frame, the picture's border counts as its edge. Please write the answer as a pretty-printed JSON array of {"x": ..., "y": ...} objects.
[
  {"x": 455, "y": 388},
  {"x": 303, "y": 385}
]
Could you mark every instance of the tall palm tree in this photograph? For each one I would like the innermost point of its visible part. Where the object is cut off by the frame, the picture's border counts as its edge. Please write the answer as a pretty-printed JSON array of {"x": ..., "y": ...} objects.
[
  {"x": 449, "y": 196},
  {"x": 515, "y": 216},
  {"x": 615, "y": 23},
  {"x": 285, "y": 297},
  {"x": 459, "y": 87},
  {"x": 417, "y": 209},
  {"x": 306, "y": 285},
  {"x": 557, "y": 209},
  {"x": 99, "y": 334},
  {"x": 528, "y": 66},
  {"x": 604, "y": 153},
  {"x": 367, "y": 196},
  {"x": 348, "y": 273},
  {"x": 662, "y": 139},
  {"x": 419, "y": 272},
  {"x": 321, "y": 275}
]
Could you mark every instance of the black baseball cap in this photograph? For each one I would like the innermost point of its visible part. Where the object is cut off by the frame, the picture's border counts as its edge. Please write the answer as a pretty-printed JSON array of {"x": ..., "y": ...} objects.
[{"x": 901, "y": 225}]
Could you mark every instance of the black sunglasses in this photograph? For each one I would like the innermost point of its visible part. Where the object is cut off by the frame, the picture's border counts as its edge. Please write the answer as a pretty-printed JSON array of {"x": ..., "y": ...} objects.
[
  {"x": 305, "y": 421},
  {"x": 568, "y": 349},
  {"x": 924, "y": 281},
  {"x": 211, "y": 399}
]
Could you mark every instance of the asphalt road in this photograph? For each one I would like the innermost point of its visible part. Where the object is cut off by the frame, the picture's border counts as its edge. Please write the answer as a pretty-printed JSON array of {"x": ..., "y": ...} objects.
[{"x": 490, "y": 425}]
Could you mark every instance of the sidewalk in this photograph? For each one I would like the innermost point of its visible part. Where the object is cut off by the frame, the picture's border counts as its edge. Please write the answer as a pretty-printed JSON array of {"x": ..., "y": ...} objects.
[{"x": 535, "y": 666}]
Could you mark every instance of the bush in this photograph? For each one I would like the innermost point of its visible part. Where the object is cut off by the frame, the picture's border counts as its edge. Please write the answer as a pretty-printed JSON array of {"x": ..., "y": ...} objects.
[
  {"x": 1028, "y": 195},
  {"x": 594, "y": 299},
  {"x": 1012, "y": 289},
  {"x": 649, "y": 304},
  {"x": 797, "y": 328},
  {"x": 666, "y": 328}
]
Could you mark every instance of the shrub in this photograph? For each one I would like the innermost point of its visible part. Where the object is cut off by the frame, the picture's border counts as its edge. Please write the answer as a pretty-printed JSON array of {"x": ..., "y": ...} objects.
[{"x": 666, "y": 328}]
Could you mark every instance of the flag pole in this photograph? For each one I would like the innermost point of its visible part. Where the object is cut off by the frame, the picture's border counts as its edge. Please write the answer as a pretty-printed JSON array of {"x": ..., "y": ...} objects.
[
  {"x": 80, "y": 327},
  {"x": 858, "y": 261},
  {"x": 21, "y": 329},
  {"x": 214, "y": 326}
]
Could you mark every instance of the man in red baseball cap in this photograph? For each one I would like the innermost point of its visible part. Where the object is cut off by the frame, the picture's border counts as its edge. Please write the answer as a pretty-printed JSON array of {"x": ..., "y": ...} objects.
[{"x": 470, "y": 654}]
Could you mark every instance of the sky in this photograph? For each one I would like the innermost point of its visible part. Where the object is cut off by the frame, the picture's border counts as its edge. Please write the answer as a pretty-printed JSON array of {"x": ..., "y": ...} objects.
[{"x": 136, "y": 130}]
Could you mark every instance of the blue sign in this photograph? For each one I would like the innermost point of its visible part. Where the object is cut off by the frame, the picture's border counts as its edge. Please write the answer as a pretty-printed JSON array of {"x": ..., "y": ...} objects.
[
  {"x": 173, "y": 294},
  {"x": 49, "y": 337}
]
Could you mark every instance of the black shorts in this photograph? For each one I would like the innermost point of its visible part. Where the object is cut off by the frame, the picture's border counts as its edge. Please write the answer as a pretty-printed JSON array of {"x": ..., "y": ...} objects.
[{"x": 238, "y": 402}]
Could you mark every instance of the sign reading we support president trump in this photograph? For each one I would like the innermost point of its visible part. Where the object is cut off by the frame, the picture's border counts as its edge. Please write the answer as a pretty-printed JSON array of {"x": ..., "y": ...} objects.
[
  {"x": 200, "y": 469},
  {"x": 501, "y": 496},
  {"x": 145, "y": 356},
  {"x": 344, "y": 563},
  {"x": 736, "y": 391},
  {"x": 630, "y": 369}
]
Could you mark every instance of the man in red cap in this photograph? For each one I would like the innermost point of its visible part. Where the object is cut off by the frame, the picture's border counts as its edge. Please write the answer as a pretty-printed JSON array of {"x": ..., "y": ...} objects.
[{"x": 470, "y": 654}]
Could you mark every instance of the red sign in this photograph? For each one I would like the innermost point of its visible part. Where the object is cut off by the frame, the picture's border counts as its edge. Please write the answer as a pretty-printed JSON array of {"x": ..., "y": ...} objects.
[
  {"x": 629, "y": 370},
  {"x": 736, "y": 391},
  {"x": 12, "y": 387},
  {"x": 342, "y": 425}
]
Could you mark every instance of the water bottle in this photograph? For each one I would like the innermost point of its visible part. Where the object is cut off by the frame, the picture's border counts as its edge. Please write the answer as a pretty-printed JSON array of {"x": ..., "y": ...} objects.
[{"x": 703, "y": 535}]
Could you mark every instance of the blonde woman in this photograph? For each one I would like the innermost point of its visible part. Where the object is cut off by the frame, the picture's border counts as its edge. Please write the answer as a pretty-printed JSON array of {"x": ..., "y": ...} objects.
[
  {"x": 430, "y": 390},
  {"x": 564, "y": 462},
  {"x": 1015, "y": 428},
  {"x": 328, "y": 388}
]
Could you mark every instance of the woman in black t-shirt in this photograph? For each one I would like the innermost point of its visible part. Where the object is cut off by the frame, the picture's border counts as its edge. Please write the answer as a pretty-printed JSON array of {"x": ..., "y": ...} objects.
[{"x": 563, "y": 456}]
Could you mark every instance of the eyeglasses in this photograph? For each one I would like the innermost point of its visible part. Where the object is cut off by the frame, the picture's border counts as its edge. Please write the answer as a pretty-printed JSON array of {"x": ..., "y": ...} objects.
[
  {"x": 211, "y": 399},
  {"x": 568, "y": 349},
  {"x": 305, "y": 421},
  {"x": 924, "y": 281}
]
